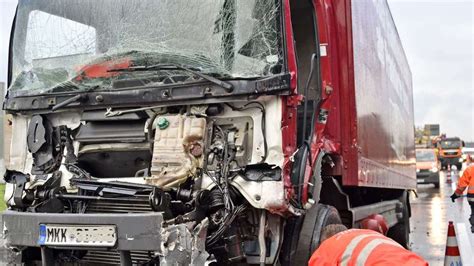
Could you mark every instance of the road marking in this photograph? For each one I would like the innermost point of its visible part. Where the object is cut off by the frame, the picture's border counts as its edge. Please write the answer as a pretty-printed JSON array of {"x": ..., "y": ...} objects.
[{"x": 464, "y": 244}]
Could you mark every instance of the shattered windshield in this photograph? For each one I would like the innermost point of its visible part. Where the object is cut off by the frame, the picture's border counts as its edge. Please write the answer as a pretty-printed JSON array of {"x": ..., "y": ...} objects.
[{"x": 63, "y": 45}]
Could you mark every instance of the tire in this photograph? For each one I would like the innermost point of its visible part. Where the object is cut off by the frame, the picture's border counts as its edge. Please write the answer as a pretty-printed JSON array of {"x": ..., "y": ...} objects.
[
  {"x": 459, "y": 166},
  {"x": 401, "y": 231},
  {"x": 436, "y": 185},
  {"x": 315, "y": 220}
]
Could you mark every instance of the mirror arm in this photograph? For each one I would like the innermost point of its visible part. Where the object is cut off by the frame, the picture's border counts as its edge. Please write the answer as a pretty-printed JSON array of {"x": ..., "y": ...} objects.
[{"x": 305, "y": 91}]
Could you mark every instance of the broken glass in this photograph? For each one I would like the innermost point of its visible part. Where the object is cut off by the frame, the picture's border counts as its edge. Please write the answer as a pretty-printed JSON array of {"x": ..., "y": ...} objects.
[{"x": 59, "y": 42}]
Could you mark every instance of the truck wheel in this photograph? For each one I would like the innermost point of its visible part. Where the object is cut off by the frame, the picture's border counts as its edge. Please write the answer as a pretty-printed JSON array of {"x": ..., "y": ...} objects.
[
  {"x": 401, "y": 231},
  {"x": 315, "y": 220},
  {"x": 459, "y": 166},
  {"x": 436, "y": 185}
]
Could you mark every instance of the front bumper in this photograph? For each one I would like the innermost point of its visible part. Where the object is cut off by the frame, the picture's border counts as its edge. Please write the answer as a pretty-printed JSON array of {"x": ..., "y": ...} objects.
[
  {"x": 427, "y": 177},
  {"x": 134, "y": 231},
  {"x": 450, "y": 160}
]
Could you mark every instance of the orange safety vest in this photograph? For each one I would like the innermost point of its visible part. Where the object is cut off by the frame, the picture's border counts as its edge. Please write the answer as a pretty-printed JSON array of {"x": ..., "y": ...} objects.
[
  {"x": 466, "y": 181},
  {"x": 359, "y": 247}
]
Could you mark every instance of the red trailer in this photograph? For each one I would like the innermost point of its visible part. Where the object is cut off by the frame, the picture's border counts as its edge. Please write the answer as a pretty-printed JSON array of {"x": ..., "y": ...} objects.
[
  {"x": 237, "y": 129},
  {"x": 364, "y": 130},
  {"x": 373, "y": 119}
]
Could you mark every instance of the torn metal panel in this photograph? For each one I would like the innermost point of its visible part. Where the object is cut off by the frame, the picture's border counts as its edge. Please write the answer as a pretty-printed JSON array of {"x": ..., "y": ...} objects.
[
  {"x": 272, "y": 118},
  {"x": 182, "y": 247},
  {"x": 268, "y": 195},
  {"x": 18, "y": 149}
]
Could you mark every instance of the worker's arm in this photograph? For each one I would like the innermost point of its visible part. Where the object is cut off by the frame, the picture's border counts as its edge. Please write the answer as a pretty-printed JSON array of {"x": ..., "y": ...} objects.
[{"x": 462, "y": 184}]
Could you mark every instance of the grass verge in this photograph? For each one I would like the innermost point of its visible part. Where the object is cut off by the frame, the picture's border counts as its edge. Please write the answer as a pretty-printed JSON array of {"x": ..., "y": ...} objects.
[{"x": 3, "y": 206}]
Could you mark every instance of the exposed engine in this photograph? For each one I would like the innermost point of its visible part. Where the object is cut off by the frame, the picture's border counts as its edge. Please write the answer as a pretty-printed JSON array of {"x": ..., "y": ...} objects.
[
  {"x": 205, "y": 167},
  {"x": 177, "y": 149}
]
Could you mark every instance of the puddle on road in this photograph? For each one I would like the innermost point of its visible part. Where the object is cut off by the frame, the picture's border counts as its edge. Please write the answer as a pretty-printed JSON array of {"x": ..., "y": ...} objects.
[{"x": 431, "y": 212}]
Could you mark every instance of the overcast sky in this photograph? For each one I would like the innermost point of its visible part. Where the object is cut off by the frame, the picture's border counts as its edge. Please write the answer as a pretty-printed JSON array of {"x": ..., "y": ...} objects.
[{"x": 438, "y": 39}]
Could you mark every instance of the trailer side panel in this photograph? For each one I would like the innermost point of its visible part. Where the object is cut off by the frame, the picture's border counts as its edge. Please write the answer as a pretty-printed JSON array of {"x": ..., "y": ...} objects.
[{"x": 383, "y": 99}]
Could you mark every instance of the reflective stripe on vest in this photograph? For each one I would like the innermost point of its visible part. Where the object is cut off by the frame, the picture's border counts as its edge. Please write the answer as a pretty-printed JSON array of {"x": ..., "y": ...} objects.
[
  {"x": 470, "y": 197},
  {"x": 367, "y": 250},
  {"x": 347, "y": 254}
]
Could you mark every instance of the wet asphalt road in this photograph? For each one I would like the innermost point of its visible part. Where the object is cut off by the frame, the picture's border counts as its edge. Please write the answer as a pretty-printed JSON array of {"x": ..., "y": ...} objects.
[{"x": 431, "y": 212}]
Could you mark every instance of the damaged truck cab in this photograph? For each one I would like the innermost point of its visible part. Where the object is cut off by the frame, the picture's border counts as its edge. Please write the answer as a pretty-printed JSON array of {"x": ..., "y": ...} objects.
[{"x": 180, "y": 133}]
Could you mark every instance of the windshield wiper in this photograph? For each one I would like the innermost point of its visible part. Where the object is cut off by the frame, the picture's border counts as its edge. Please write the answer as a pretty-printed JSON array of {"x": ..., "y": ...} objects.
[
  {"x": 227, "y": 86},
  {"x": 75, "y": 98}
]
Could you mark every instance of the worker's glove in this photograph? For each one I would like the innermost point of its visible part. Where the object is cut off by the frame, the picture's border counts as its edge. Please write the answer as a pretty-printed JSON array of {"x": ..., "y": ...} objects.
[{"x": 454, "y": 196}]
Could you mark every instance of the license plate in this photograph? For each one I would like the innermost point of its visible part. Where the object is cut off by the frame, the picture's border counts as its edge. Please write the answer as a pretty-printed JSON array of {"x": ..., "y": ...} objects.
[
  {"x": 77, "y": 235},
  {"x": 420, "y": 180}
]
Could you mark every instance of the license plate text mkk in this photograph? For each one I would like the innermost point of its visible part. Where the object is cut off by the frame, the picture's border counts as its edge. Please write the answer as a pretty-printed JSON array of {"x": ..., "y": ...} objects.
[{"x": 56, "y": 235}]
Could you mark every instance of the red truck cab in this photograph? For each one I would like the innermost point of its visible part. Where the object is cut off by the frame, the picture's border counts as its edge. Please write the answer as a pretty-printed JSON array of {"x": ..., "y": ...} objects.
[{"x": 184, "y": 132}]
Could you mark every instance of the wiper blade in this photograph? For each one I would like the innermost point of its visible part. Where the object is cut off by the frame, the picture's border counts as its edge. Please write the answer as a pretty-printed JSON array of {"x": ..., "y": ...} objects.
[
  {"x": 76, "y": 98},
  {"x": 227, "y": 86},
  {"x": 73, "y": 99},
  {"x": 66, "y": 86}
]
